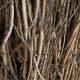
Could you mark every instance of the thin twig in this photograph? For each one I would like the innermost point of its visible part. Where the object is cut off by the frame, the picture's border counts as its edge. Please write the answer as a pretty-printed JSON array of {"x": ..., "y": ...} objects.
[
  {"x": 8, "y": 33},
  {"x": 25, "y": 22},
  {"x": 36, "y": 14},
  {"x": 6, "y": 37},
  {"x": 40, "y": 48},
  {"x": 31, "y": 56},
  {"x": 38, "y": 69}
]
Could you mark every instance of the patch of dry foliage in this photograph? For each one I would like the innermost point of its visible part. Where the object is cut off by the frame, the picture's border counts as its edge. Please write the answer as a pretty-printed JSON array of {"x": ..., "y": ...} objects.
[{"x": 39, "y": 40}]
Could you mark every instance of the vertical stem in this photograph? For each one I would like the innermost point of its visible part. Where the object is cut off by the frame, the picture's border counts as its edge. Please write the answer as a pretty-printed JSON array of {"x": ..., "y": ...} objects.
[
  {"x": 6, "y": 37},
  {"x": 43, "y": 12},
  {"x": 4, "y": 60},
  {"x": 25, "y": 22},
  {"x": 31, "y": 55}
]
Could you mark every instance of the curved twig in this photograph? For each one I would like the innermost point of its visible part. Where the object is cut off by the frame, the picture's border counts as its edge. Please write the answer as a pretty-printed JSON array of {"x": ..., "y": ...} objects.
[{"x": 6, "y": 37}]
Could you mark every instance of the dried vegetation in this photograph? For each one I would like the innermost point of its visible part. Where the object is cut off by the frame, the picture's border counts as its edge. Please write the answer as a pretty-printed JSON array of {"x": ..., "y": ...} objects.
[{"x": 39, "y": 39}]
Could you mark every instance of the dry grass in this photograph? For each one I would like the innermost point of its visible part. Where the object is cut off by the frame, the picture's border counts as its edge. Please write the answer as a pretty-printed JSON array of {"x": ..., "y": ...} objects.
[{"x": 39, "y": 40}]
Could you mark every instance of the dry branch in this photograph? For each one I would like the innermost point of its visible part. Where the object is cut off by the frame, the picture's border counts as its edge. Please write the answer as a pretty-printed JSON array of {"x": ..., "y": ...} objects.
[{"x": 44, "y": 43}]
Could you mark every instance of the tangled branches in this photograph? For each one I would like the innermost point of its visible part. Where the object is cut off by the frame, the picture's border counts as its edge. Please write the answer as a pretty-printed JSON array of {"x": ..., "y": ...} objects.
[{"x": 39, "y": 39}]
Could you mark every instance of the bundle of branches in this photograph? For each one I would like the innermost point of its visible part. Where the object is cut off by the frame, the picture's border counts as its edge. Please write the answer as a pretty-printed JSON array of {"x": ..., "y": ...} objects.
[{"x": 39, "y": 39}]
